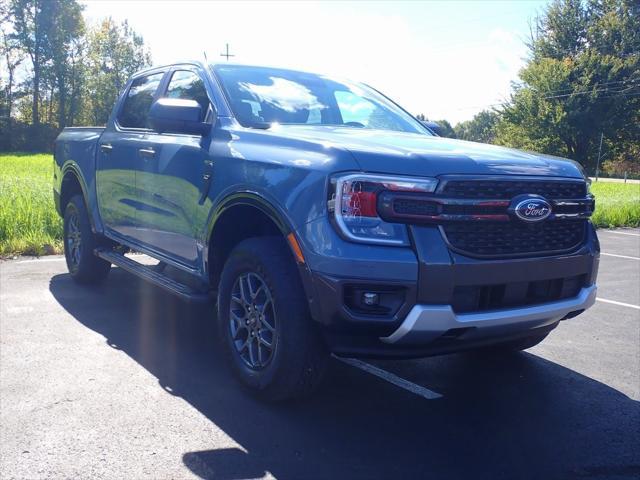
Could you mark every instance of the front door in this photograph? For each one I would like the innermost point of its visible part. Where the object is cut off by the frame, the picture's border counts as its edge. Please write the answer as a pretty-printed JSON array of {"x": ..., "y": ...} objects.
[{"x": 170, "y": 179}]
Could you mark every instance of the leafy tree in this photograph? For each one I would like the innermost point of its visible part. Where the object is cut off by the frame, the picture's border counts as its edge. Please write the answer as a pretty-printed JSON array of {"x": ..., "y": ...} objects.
[
  {"x": 12, "y": 56},
  {"x": 583, "y": 79},
  {"x": 76, "y": 79},
  {"x": 45, "y": 30},
  {"x": 115, "y": 52},
  {"x": 71, "y": 75},
  {"x": 29, "y": 23},
  {"x": 65, "y": 29},
  {"x": 481, "y": 128},
  {"x": 626, "y": 163}
]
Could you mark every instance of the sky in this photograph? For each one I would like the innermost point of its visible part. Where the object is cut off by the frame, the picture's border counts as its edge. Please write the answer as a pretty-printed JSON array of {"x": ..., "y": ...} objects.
[{"x": 444, "y": 59}]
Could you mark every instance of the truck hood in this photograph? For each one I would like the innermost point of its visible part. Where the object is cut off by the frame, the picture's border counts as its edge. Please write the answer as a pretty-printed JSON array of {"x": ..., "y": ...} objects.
[{"x": 423, "y": 155}]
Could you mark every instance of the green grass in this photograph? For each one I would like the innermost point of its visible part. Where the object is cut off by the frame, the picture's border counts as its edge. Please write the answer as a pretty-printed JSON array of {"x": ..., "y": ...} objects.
[
  {"x": 29, "y": 224},
  {"x": 617, "y": 204}
]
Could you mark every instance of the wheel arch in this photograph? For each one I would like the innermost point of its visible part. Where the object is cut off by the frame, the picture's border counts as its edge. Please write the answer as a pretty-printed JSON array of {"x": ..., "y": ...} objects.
[
  {"x": 73, "y": 183},
  {"x": 225, "y": 231},
  {"x": 229, "y": 225}
]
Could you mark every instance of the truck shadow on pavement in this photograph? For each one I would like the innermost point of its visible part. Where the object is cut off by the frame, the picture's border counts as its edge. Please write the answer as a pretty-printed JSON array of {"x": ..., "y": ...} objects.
[{"x": 516, "y": 416}]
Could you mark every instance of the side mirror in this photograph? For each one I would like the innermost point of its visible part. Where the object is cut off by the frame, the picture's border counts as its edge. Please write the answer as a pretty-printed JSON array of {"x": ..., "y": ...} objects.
[
  {"x": 434, "y": 127},
  {"x": 177, "y": 115}
]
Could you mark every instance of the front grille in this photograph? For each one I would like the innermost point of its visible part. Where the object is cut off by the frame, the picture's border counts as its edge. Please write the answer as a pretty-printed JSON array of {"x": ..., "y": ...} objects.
[
  {"x": 507, "y": 189},
  {"x": 413, "y": 206},
  {"x": 477, "y": 298},
  {"x": 515, "y": 238}
]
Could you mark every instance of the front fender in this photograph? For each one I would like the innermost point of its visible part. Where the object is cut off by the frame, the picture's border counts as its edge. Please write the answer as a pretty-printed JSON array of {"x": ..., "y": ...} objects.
[
  {"x": 252, "y": 198},
  {"x": 279, "y": 217}
]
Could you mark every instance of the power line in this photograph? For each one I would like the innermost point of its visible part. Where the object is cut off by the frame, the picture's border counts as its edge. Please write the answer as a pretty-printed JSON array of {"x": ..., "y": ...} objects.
[
  {"x": 581, "y": 51},
  {"x": 623, "y": 95},
  {"x": 616, "y": 93},
  {"x": 600, "y": 84},
  {"x": 586, "y": 92}
]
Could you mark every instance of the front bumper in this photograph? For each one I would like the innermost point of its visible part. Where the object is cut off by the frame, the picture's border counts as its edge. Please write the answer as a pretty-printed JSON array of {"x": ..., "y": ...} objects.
[
  {"x": 425, "y": 323},
  {"x": 429, "y": 318}
]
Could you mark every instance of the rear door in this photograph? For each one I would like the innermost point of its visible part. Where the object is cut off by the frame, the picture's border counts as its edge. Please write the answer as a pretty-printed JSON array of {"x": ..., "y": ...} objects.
[
  {"x": 172, "y": 177},
  {"x": 119, "y": 157}
]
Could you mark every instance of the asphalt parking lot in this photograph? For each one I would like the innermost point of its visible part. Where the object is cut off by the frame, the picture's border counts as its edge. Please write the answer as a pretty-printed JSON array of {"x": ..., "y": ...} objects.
[{"x": 124, "y": 381}]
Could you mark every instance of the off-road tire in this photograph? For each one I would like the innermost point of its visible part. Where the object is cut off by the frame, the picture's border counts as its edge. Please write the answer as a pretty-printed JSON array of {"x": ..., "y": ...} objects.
[
  {"x": 299, "y": 357},
  {"x": 84, "y": 266}
]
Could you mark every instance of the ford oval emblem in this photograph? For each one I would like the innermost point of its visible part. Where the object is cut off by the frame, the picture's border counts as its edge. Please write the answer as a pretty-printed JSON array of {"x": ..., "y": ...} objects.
[{"x": 532, "y": 209}]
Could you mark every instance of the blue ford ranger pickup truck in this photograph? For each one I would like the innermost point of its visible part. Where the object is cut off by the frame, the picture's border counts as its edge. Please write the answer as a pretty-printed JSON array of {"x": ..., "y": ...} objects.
[{"x": 323, "y": 218}]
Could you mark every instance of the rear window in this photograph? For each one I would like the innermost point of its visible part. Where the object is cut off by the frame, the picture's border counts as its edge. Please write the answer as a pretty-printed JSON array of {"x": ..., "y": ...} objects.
[{"x": 135, "y": 111}]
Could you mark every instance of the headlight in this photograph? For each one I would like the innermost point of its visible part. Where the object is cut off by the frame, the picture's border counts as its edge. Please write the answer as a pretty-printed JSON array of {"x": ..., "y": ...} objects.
[{"x": 353, "y": 200}]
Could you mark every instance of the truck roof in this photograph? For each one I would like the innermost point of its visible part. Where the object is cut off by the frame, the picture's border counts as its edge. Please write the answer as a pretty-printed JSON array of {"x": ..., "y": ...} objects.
[{"x": 205, "y": 65}]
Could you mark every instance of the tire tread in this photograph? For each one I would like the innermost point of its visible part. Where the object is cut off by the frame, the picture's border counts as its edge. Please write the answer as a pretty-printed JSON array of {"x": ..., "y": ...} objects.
[
  {"x": 302, "y": 363},
  {"x": 92, "y": 269}
]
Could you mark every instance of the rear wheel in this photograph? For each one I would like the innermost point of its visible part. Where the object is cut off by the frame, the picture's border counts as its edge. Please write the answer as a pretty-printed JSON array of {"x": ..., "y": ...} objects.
[
  {"x": 264, "y": 324},
  {"x": 80, "y": 243}
]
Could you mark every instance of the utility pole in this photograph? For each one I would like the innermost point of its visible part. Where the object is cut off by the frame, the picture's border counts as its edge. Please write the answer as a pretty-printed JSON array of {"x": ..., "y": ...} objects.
[
  {"x": 599, "y": 152},
  {"x": 227, "y": 54}
]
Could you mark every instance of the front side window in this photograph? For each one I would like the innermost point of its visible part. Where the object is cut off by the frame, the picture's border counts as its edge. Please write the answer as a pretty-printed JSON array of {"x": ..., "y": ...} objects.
[
  {"x": 188, "y": 85},
  {"x": 262, "y": 96},
  {"x": 135, "y": 111}
]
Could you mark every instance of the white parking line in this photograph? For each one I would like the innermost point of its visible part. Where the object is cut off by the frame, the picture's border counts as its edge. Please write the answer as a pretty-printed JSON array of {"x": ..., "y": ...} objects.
[
  {"x": 391, "y": 378},
  {"x": 619, "y": 256},
  {"x": 34, "y": 260},
  {"x": 620, "y": 233},
  {"x": 622, "y": 304}
]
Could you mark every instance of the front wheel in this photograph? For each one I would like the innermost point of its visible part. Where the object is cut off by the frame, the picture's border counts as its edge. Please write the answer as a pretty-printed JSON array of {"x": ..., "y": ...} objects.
[
  {"x": 264, "y": 324},
  {"x": 79, "y": 244}
]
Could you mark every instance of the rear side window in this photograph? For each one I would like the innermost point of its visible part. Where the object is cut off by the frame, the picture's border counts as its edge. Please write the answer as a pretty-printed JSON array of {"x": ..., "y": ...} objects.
[
  {"x": 188, "y": 85},
  {"x": 135, "y": 111}
]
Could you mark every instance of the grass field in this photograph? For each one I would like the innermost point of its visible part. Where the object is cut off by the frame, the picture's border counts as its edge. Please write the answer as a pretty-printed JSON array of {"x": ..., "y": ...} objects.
[
  {"x": 29, "y": 224},
  {"x": 617, "y": 204}
]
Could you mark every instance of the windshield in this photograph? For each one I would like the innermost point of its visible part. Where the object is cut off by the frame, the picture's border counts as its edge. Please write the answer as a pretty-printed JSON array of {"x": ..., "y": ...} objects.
[{"x": 262, "y": 96}]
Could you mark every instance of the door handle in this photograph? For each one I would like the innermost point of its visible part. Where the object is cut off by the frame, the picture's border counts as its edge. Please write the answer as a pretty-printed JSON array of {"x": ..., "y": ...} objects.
[
  {"x": 147, "y": 152},
  {"x": 106, "y": 147}
]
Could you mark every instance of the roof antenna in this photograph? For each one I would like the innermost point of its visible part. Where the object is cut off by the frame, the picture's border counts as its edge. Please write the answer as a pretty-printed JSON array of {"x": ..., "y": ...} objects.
[{"x": 205, "y": 57}]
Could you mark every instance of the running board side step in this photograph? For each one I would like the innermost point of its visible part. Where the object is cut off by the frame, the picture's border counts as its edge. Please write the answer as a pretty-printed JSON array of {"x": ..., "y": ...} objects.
[{"x": 156, "y": 277}]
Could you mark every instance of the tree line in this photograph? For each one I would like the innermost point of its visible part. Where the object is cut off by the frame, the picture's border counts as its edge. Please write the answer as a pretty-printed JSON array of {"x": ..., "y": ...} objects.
[
  {"x": 58, "y": 71},
  {"x": 578, "y": 96}
]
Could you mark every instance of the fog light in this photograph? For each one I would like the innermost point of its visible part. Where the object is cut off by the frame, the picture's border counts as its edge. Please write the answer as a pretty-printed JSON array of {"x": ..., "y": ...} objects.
[
  {"x": 374, "y": 299},
  {"x": 370, "y": 299}
]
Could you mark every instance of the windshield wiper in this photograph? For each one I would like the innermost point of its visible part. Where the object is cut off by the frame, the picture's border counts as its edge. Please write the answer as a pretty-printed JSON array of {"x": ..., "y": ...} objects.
[{"x": 258, "y": 125}]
